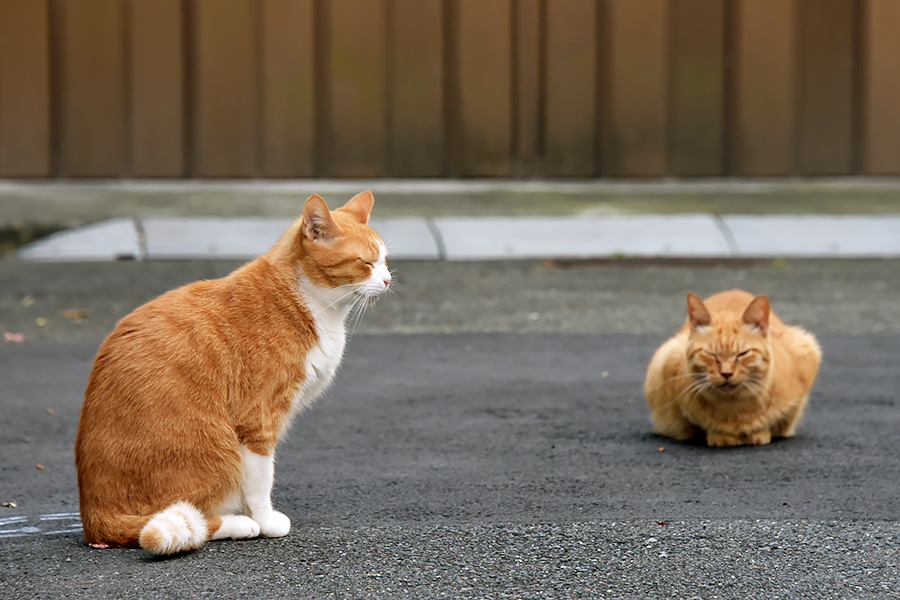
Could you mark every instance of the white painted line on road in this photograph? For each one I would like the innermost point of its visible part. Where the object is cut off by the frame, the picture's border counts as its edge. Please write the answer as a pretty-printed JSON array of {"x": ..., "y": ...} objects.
[
  {"x": 22, "y": 525},
  {"x": 60, "y": 516}
]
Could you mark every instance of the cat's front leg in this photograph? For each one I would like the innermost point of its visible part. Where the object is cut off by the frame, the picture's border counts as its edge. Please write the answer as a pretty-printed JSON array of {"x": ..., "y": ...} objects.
[{"x": 258, "y": 477}]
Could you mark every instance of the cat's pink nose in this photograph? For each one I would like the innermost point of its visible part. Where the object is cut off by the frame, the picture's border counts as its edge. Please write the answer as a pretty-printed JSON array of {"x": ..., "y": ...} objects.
[{"x": 387, "y": 280}]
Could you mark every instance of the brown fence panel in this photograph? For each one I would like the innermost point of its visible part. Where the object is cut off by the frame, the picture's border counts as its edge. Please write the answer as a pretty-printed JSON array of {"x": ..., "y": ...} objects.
[
  {"x": 697, "y": 88},
  {"x": 881, "y": 88},
  {"x": 358, "y": 90},
  {"x": 224, "y": 88},
  {"x": 763, "y": 96},
  {"x": 416, "y": 88},
  {"x": 528, "y": 84},
  {"x": 826, "y": 48},
  {"x": 483, "y": 125},
  {"x": 24, "y": 89},
  {"x": 156, "y": 88},
  {"x": 570, "y": 123},
  {"x": 92, "y": 134},
  {"x": 634, "y": 135},
  {"x": 288, "y": 95},
  {"x": 437, "y": 88}
]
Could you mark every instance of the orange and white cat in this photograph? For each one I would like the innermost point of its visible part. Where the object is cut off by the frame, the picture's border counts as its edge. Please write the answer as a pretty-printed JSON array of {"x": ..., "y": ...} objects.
[
  {"x": 190, "y": 393},
  {"x": 734, "y": 373}
]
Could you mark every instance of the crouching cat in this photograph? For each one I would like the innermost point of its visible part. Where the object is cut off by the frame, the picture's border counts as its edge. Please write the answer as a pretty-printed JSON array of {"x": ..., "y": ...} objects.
[
  {"x": 734, "y": 374},
  {"x": 190, "y": 393}
]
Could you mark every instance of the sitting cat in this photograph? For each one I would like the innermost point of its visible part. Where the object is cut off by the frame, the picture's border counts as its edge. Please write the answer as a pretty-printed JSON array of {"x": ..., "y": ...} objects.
[
  {"x": 733, "y": 373},
  {"x": 190, "y": 392}
]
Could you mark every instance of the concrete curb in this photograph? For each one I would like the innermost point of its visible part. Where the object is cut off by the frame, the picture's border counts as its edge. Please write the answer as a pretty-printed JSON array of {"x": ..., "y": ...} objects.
[{"x": 496, "y": 238}]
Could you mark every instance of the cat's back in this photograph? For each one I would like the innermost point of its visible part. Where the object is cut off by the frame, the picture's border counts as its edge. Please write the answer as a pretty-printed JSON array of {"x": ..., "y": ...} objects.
[
  {"x": 209, "y": 333},
  {"x": 164, "y": 326}
]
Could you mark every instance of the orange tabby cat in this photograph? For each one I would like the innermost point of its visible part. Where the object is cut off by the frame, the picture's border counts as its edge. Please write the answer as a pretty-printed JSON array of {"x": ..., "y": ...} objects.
[
  {"x": 190, "y": 392},
  {"x": 734, "y": 373}
]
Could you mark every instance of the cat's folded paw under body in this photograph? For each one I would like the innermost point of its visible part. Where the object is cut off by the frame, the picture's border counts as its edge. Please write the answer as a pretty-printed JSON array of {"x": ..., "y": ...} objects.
[
  {"x": 755, "y": 438},
  {"x": 275, "y": 524},
  {"x": 236, "y": 527}
]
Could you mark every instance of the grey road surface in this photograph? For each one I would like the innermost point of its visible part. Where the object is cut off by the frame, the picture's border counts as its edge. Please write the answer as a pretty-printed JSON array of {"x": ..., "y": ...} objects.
[{"x": 487, "y": 438}]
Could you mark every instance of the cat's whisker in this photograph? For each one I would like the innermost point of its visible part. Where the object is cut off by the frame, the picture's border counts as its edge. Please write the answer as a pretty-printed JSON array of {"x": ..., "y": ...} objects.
[
  {"x": 696, "y": 387},
  {"x": 671, "y": 379},
  {"x": 357, "y": 310},
  {"x": 756, "y": 389},
  {"x": 389, "y": 242},
  {"x": 355, "y": 290}
]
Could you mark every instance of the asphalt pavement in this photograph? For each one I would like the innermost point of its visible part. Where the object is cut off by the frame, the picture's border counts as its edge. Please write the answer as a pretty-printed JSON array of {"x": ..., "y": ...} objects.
[{"x": 486, "y": 437}]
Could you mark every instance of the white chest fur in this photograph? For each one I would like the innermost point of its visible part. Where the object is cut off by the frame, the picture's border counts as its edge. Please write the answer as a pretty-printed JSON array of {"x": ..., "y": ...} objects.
[{"x": 323, "y": 359}]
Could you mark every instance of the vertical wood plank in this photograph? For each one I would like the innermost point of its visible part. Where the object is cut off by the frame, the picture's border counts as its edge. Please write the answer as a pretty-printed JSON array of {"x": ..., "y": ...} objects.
[
  {"x": 157, "y": 88},
  {"x": 881, "y": 92},
  {"x": 825, "y": 86},
  {"x": 697, "y": 118},
  {"x": 485, "y": 87},
  {"x": 24, "y": 89},
  {"x": 288, "y": 94},
  {"x": 528, "y": 85},
  {"x": 416, "y": 89},
  {"x": 764, "y": 126},
  {"x": 635, "y": 132},
  {"x": 224, "y": 104},
  {"x": 571, "y": 110},
  {"x": 358, "y": 59},
  {"x": 92, "y": 136}
]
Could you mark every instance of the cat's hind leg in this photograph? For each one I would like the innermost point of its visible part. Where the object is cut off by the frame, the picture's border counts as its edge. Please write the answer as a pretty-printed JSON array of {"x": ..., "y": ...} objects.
[
  {"x": 669, "y": 421},
  {"x": 787, "y": 426}
]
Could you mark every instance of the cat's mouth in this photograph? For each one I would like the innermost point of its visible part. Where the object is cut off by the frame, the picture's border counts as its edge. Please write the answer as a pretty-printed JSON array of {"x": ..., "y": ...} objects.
[{"x": 728, "y": 388}]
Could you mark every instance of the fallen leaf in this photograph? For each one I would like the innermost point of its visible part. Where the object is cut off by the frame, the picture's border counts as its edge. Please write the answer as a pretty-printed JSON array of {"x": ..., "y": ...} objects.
[
  {"x": 13, "y": 338},
  {"x": 10, "y": 504},
  {"x": 41, "y": 321},
  {"x": 76, "y": 315},
  {"x": 27, "y": 301},
  {"x": 661, "y": 449},
  {"x": 662, "y": 522},
  {"x": 50, "y": 411},
  {"x": 40, "y": 467},
  {"x": 604, "y": 374}
]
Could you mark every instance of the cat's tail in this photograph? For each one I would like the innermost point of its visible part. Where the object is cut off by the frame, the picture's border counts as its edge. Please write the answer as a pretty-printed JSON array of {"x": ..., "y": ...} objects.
[{"x": 178, "y": 528}]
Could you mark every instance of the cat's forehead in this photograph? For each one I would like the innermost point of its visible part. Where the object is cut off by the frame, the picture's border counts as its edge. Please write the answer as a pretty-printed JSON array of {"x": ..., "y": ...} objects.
[
  {"x": 725, "y": 337},
  {"x": 363, "y": 242}
]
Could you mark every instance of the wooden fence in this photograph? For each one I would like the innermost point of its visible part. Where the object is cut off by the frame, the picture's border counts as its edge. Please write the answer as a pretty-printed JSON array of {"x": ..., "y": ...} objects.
[{"x": 448, "y": 88}]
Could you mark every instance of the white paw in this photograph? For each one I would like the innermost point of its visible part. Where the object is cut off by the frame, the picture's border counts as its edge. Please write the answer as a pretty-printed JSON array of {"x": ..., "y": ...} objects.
[
  {"x": 274, "y": 525},
  {"x": 236, "y": 527}
]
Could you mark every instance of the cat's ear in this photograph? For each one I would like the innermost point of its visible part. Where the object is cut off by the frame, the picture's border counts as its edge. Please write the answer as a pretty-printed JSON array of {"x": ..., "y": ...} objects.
[
  {"x": 697, "y": 312},
  {"x": 317, "y": 222},
  {"x": 757, "y": 314},
  {"x": 360, "y": 206}
]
